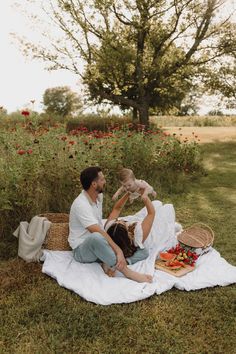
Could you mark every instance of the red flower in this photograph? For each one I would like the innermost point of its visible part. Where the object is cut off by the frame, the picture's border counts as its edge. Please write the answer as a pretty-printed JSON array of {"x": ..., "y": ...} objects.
[
  {"x": 71, "y": 142},
  {"x": 21, "y": 152},
  {"x": 25, "y": 113},
  {"x": 63, "y": 138},
  {"x": 29, "y": 151}
]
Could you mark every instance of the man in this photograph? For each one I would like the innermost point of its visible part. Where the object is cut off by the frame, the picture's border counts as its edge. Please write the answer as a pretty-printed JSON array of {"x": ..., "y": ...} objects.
[{"x": 87, "y": 237}]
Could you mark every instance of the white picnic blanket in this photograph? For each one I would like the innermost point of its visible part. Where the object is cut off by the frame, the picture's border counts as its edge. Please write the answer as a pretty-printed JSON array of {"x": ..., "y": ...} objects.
[{"x": 90, "y": 282}]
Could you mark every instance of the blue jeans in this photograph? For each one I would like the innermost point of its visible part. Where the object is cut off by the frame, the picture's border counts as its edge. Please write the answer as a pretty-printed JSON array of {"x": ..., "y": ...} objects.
[{"x": 96, "y": 249}]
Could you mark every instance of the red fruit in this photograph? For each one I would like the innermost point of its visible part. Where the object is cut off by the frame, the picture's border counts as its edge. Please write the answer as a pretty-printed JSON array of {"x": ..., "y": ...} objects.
[
  {"x": 189, "y": 253},
  {"x": 175, "y": 267},
  {"x": 21, "y": 152},
  {"x": 165, "y": 256},
  {"x": 178, "y": 263}
]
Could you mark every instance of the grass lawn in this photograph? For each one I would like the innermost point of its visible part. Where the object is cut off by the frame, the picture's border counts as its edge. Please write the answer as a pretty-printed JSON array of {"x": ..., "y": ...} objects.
[{"x": 38, "y": 316}]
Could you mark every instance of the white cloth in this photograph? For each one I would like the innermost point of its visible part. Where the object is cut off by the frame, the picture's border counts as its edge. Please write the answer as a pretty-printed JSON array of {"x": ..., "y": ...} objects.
[
  {"x": 90, "y": 282},
  {"x": 83, "y": 213},
  {"x": 31, "y": 237},
  {"x": 138, "y": 232}
]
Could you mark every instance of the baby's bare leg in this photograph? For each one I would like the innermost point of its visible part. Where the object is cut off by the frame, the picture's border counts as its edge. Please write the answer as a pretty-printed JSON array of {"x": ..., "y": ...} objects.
[{"x": 154, "y": 194}]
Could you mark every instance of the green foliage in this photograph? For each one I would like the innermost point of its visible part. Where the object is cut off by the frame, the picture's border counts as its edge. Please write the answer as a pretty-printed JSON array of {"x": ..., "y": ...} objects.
[
  {"x": 96, "y": 121},
  {"x": 141, "y": 54},
  {"x": 215, "y": 112},
  {"x": 61, "y": 101},
  {"x": 40, "y": 167}
]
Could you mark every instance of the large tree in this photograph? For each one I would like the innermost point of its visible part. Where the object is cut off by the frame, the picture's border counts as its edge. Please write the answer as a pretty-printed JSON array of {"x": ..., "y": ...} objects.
[{"x": 139, "y": 53}]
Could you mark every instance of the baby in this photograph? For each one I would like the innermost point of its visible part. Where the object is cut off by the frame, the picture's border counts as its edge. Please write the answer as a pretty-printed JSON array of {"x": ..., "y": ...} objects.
[{"x": 132, "y": 185}]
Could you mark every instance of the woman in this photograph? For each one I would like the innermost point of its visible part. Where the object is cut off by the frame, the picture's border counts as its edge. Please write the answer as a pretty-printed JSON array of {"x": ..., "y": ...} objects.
[{"x": 131, "y": 236}]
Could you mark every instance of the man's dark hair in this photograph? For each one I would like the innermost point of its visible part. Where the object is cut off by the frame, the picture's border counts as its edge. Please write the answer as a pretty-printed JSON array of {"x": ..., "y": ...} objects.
[{"x": 88, "y": 175}]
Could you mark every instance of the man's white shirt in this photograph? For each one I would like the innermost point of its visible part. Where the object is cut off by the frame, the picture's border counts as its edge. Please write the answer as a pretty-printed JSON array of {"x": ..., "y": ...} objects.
[{"x": 84, "y": 213}]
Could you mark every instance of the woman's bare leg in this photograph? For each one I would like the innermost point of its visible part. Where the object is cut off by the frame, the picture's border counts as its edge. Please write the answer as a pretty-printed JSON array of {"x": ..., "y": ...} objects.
[
  {"x": 128, "y": 273},
  {"x": 139, "y": 277}
]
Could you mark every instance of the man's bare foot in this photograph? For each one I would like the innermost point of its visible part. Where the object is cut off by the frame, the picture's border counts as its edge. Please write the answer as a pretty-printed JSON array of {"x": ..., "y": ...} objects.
[{"x": 107, "y": 270}]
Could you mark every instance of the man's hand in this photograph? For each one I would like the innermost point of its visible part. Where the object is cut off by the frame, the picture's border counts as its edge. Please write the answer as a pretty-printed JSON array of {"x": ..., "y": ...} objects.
[{"x": 121, "y": 261}]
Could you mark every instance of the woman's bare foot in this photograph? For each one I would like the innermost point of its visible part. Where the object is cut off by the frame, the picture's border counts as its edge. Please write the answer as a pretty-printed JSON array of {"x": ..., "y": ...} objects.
[
  {"x": 107, "y": 270},
  {"x": 139, "y": 277}
]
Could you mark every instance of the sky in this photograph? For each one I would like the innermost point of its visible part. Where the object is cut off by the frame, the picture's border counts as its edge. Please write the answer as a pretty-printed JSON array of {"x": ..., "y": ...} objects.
[{"x": 22, "y": 79}]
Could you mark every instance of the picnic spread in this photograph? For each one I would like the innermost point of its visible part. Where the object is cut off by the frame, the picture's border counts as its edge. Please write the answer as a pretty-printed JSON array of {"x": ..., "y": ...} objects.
[{"x": 174, "y": 261}]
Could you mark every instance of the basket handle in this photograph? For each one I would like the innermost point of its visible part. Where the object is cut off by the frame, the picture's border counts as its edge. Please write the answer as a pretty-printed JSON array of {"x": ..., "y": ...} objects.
[{"x": 207, "y": 227}]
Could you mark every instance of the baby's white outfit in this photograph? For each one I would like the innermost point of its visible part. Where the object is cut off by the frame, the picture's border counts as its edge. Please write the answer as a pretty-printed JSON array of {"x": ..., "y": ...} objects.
[{"x": 141, "y": 185}]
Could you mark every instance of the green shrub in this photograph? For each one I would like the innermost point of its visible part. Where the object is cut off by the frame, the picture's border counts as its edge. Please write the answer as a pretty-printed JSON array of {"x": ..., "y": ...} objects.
[{"x": 96, "y": 122}]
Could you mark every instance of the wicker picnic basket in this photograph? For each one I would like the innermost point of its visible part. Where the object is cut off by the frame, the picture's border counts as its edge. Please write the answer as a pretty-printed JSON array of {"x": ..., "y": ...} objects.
[
  {"x": 57, "y": 235},
  {"x": 198, "y": 235}
]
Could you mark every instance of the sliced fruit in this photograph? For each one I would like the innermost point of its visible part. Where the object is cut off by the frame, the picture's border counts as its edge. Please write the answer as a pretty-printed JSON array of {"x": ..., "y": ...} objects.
[
  {"x": 174, "y": 267},
  {"x": 165, "y": 256},
  {"x": 177, "y": 263}
]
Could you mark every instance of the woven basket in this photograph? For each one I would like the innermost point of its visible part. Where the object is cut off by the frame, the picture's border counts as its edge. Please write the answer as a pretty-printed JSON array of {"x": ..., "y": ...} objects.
[
  {"x": 57, "y": 235},
  {"x": 198, "y": 236},
  {"x": 56, "y": 217}
]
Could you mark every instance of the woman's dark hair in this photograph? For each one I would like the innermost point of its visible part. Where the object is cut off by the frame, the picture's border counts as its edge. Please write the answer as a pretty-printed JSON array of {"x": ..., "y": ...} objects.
[
  {"x": 88, "y": 175},
  {"x": 119, "y": 235}
]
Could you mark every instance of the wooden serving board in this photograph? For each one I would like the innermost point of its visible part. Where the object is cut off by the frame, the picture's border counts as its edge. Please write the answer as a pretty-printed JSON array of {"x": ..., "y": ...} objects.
[{"x": 160, "y": 265}]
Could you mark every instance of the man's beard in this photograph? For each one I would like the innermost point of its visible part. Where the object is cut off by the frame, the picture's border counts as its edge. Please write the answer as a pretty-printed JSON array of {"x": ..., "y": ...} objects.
[{"x": 99, "y": 189}]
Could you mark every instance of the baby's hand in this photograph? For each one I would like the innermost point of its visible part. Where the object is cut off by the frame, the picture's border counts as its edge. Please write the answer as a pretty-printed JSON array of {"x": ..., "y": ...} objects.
[{"x": 115, "y": 196}]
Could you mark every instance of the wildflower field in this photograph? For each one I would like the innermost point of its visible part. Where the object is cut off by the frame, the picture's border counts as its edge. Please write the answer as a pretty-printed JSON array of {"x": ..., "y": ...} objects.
[{"x": 40, "y": 166}]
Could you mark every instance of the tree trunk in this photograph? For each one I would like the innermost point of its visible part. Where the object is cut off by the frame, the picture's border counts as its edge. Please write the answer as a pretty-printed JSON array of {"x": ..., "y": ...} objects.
[
  {"x": 135, "y": 115},
  {"x": 144, "y": 115}
]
